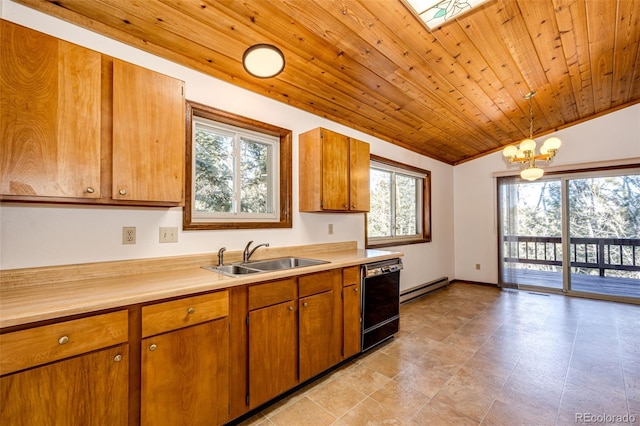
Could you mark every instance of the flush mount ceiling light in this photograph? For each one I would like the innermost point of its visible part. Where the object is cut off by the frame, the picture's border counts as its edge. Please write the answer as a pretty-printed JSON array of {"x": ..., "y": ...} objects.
[
  {"x": 526, "y": 153},
  {"x": 437, "y": 12},
  {"x": 263, "y": 60}
]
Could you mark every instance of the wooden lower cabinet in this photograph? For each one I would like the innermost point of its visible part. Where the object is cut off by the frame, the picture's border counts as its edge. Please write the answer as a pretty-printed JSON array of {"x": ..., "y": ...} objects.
[
  {"x": 351, "y": 324},
  {"x": 273, "y": 352},
  {"x": 185, "y": 376},
  {"x": 185, "y": 372},
  {"x": 320, "y": 346},
  {"x": 351, "y": 311},
  {"x": 90, "y": 389}
]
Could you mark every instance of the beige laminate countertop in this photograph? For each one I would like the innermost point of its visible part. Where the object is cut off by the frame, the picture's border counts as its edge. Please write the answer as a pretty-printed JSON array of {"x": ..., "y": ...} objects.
[{"x": 23, "y": 304}]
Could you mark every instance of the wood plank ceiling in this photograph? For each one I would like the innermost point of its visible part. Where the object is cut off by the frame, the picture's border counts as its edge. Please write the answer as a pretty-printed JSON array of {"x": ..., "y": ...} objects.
[{"x": 452, "y": 94}]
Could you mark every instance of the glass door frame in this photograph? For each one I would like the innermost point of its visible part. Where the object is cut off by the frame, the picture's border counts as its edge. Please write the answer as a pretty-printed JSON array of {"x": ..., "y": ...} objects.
[
  {"x": 564, "y": 178},
  {"x": 566, "y": 237}
]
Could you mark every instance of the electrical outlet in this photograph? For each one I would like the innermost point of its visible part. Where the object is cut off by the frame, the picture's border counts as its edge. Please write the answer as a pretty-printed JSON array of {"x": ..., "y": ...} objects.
[
  {"x": 331, "y": 229},
  {"x": 168, "y": 234},
  {"x": 128, "y": 235},
  {"x": 477, "y": 266}
]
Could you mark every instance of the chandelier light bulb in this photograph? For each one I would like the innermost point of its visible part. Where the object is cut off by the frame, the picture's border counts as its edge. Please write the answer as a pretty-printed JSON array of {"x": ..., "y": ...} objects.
[
  {"x": 552, "y": 144},
  {"x": 510, "y": 151},
  {"x": 528, "y": 145},
  {"x": 531, "y": 173}
]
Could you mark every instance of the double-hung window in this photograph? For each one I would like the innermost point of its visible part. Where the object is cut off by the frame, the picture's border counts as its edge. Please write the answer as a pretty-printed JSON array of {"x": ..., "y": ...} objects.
[
  {"x": 239, "y": 173},
  {"x": 400, "y": 204}
]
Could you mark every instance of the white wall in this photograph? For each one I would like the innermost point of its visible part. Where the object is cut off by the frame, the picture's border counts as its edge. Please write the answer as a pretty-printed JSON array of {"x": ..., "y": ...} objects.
[
  {"x": 614, "y": 136},
  {"x": 41, "y": 235}
]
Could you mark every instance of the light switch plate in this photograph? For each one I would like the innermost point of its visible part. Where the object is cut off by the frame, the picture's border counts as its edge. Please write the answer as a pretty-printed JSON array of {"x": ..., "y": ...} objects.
[{"x": 168, "y": 234}]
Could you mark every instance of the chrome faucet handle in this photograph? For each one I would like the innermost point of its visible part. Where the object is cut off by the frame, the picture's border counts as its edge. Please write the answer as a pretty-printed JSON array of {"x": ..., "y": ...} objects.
[
  {"x": 221, "y": 256},
  {"x": 247, "y": 253}
]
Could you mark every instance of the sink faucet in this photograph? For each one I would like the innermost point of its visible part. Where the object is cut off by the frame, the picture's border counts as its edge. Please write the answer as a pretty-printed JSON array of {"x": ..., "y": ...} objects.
[
  {"x": 221, "y": 256},
  {"x": 247, "y": 253}
]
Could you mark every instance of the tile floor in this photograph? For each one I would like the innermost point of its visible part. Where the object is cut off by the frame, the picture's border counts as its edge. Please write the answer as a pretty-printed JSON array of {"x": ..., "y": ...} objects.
[{"x": 470, "y": 355}]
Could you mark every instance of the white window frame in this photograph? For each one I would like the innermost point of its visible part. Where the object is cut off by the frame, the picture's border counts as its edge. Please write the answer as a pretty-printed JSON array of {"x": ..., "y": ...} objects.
[{"x": 238, "y": 134}]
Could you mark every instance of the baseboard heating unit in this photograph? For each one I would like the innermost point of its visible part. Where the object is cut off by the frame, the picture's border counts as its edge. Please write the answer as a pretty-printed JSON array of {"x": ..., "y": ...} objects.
[{"x": 419, "y": 291}]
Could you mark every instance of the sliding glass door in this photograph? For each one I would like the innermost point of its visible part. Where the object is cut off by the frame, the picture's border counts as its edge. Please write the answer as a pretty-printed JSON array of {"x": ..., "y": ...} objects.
[
  {"x": 604, "y": 230},
  {"x": 531, "y": 233},
  {"x": 577, "y": 233}
]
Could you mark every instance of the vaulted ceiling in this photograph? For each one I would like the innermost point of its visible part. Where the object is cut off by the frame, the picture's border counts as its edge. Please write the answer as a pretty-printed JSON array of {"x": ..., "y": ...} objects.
[{"x": 453, "y": 94}]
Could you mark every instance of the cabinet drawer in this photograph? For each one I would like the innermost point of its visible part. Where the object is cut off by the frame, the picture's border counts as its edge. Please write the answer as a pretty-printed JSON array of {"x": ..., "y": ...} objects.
[
  {"x": 262, "y": 295},
  {"x": 167, "y": 316},
  {"x": 40, "y": 345},
  {"x": 318, "y": 283},
  {"x": 351, "y": 275}
]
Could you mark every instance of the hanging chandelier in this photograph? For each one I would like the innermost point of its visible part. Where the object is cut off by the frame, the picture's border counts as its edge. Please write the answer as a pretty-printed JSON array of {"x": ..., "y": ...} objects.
[{"x": 526, "y": 153}]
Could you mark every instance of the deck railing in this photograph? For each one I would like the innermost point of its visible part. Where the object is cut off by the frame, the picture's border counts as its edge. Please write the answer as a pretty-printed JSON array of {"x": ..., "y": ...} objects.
[{"x": 622, "y": 254}]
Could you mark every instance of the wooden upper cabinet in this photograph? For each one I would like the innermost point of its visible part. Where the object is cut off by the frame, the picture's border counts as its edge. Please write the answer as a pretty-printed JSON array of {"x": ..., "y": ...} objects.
[
  {"x": 359, "y": 163},
  {"x": 148, "y": 135},
  {"x": 50, "y": 116},
  {"x": 334, "y": 172},
  {"x": 77, "y": 126}
]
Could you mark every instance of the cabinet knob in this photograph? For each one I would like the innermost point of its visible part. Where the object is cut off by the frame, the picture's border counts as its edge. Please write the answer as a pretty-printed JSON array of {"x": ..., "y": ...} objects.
[
  {"x": 355, "y": 289},
  {"x": 305, "y": 304},
  {"x": 63, "y": 340},
  {"x": 353, "y": 206},
  {"x": 117, "y": 358},
  {"x": 122, "y": 192},
  {"x": 346, "y": 206},
  {"x": 153, "y": 347},
  {"x": 291, "y": 308},
  {"x": 90, "y": 190},
  {"x": 191, "y": 311}
]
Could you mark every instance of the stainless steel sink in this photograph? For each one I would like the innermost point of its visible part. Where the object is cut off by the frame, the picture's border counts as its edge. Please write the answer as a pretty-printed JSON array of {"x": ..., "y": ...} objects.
[
  {"x": 283, "y": 263},
  {"x": 267, "y": 265},
  {"x": 233, "y": 270}
]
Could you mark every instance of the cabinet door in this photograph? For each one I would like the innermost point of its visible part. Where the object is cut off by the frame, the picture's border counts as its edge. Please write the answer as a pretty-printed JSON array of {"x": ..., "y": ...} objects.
[
  {"x": 359, "y": 164},
  {"x": 185, "y": 376},
  {"x": 335, "y": 171},
  {"x": 352, "y": 326},
  {"x": 89, "y": 389},
  {"x": 319, "y": 337},
  {"x": 272, "y": 352},
  {"x": 49, "y": 116},
  {"x": 148, "y": 135}
]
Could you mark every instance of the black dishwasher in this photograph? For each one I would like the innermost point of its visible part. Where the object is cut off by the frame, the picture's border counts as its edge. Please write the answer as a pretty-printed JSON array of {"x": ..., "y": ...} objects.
[{"x": 380, "y": 301}]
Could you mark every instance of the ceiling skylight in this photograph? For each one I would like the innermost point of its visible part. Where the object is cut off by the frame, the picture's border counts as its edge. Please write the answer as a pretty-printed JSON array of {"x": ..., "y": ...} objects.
[{"x": 437, "y": 12}]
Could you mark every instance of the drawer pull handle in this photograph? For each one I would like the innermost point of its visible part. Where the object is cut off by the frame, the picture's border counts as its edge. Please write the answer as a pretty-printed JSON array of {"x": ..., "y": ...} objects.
[
  {"x": 305, "y": 304},
  {"x": 117, "y": 358},
  {"x": 63, "y": 340},
  {"x": 90, "y": 190},
  {"x": 153, "y": 347},
  {"x": 191, "y": 311},
  {"x": 122, "y": 192}
]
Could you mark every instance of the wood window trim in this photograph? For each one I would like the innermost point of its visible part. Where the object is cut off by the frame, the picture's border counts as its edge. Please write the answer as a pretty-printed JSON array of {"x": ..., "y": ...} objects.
[
  {"x": 194, "y": 109},
  {"x": 426, "y": 208}
]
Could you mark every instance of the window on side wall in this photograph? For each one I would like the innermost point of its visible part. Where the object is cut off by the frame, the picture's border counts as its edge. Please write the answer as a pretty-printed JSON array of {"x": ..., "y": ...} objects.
[
  {"x": 400, "y": 210},
  {"x": 238, "y": 172}
]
